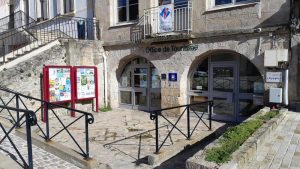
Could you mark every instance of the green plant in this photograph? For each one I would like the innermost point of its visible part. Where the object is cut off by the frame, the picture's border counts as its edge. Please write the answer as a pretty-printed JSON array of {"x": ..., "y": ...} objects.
[
  {"x": 105, "y": 109},
  {"x": 234, "y": 137}
]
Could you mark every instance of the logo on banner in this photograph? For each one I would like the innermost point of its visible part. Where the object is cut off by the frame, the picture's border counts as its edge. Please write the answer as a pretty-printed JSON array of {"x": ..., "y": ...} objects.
[{"x": 166, "y": 18}]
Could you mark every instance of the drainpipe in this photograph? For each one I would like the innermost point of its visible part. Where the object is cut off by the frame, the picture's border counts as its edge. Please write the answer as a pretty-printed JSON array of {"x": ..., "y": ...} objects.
[
  {"x": 286, "y": 88},
  {"x": 286, "y": 83},
  {"x": 105, "y": 79}
]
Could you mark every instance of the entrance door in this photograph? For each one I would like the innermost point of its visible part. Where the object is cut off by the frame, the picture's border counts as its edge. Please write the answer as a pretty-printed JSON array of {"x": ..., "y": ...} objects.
[
  {"x": 223, "y": 77},
  {"x": 140, "y": 87}
]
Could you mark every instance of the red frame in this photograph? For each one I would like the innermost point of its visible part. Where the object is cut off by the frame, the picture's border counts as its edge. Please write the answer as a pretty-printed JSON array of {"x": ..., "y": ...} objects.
[
  {"x": 73, "y": 82},
  {"x": 75, "y": 68},
  {"x": 47, "y": 86}
]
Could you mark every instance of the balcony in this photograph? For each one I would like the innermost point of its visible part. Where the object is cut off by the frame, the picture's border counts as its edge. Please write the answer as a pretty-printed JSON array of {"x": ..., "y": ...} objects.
[{"x": 166, "y": 20}]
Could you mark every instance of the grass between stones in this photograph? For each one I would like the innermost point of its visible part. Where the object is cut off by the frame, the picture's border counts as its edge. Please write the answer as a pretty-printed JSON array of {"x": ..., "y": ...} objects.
[
  {"x": 234, "y": 137},
  {"x": 105, "y": 109}
]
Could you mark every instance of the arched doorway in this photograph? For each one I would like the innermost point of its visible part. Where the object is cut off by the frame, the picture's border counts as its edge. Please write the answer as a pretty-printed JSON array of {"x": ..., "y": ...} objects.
[
  {"x": 231, "y": 81},
  {"x": 140, "y": 85}
]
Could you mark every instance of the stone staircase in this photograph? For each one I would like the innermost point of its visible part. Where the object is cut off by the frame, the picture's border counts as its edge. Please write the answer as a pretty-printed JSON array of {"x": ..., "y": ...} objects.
[{"x": 37, "y": 39}]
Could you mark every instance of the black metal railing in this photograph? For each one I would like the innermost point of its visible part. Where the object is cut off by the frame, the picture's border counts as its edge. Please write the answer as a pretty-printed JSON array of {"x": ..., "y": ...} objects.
[
  {"x": 30, "y": 120},
  {"x": 24, "y": 39},
  {"x": 46, "y": 108},
  {"x": 155, "y": 114},
  {"x": 15, "y": 20}
]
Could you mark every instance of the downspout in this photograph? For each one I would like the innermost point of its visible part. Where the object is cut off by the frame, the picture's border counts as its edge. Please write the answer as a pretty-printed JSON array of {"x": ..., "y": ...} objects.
[
  {"x": 286, "y": 83},
  {"x": 105, "y": 79}
]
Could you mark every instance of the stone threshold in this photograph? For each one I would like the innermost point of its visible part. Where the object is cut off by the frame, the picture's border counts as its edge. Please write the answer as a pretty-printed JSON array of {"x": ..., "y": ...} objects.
[{"x": 246, "y": 152}]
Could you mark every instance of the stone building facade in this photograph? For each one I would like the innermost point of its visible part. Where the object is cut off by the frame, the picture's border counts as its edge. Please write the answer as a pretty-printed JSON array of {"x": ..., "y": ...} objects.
[{"x": 218, "y": 56}]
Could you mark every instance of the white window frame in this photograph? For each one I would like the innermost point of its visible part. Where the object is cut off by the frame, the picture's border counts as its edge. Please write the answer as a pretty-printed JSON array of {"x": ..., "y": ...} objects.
[
  {"x": 116, "y": 7},
  {"x": 211, "y": 4}
]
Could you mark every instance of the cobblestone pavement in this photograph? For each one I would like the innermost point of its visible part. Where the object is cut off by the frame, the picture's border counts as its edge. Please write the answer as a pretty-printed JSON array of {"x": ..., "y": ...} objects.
[
  {"x": 122, "y": 127},
  {"x": 41, "y": 158},
  {"x": 282, "y": 150}
]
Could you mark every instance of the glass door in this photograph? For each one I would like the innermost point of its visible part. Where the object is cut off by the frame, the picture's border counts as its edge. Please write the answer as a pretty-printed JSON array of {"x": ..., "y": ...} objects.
[
  {"x": 140, "y": 87},
  {"x": 223, "y": 90}
]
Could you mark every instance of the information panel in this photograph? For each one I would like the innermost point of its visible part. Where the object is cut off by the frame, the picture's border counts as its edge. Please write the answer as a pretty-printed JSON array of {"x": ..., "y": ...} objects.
[
  {"x": 85, "y": 83},
  {"x": 60, "y": 84}
]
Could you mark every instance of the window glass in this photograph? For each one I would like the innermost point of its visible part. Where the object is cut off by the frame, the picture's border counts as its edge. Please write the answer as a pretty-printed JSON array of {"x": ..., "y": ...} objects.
[
  {"x": 250, "y": 78},
  {"x": 164, "y": 2},
  {"x": 122, "y": 14},
  {"x": 200, "y": 77},
  {"x": 133, "y": 12},
  {"x": 126, "y": 76},
  {"x": 121, "y": 3},
  {"x": 128, "y": 10},
  {"x": 222, "y": 2}
]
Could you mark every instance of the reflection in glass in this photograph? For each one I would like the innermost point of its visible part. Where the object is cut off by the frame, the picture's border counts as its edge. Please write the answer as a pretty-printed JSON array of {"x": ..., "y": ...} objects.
[
  {"x": 126, "y": 76},
  {"x": 223, "y": 107},
  {"x": 249, "y": 107},
  {"x": 223, "y": 79},
  {"x": 200, "y": 107},
  {"x": 222, "y": 2},
  {"x": 155, "y": 79},
  {"x": 140, "y": 77},
  {"x": 140, "y": 99},
  {"x": 250, "y": 78},
  {"x": 200, "y": 77},
  {"x": 155, "y": 100},
  {"x": 126, "y": 97}
]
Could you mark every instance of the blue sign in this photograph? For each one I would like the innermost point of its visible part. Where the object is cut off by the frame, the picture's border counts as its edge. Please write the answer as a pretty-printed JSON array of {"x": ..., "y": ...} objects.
[
  {"x": 173, "y": 77},
  {"x": 163, "y": 77}
]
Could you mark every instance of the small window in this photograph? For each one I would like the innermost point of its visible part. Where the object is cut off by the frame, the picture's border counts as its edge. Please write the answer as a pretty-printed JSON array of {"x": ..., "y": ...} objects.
[
  {"x": 128, "y": 10},
  {"x": 68, "y": 6},
  {"x": 226, "y": 2}
]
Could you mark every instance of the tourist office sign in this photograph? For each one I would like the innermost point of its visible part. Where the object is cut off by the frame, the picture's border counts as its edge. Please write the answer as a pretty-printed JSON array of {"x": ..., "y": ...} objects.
[
  {"x": 68, "y": 84},
  {"x": 171, "y": 48}
]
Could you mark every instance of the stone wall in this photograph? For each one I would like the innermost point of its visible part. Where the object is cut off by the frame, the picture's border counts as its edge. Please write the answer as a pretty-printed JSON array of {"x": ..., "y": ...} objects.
[
  {"x": 25, "y": 77},
  {"x": 182, "y": 62},
  {"x": 253, "y": 15}
]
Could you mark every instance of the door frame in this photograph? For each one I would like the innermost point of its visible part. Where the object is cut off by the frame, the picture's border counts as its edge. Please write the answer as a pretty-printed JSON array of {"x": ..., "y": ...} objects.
[
  {"x": 226, "y": 95},
  {"x": 148, "y": 90}
]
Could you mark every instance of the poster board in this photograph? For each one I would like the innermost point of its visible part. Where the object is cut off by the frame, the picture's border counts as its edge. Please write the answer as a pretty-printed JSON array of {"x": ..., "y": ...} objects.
[
  {"x": 85, "y": 82},
  {"x": 58, "y": 84}
]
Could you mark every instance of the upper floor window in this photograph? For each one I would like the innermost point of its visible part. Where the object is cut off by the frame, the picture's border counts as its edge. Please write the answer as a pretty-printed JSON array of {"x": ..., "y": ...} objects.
[
  {"x": 164, "y": 2},
  {"x": 225, "y": 2},
  {"x": 128, "y": 10},
  {"x": 68, "y": 6}
]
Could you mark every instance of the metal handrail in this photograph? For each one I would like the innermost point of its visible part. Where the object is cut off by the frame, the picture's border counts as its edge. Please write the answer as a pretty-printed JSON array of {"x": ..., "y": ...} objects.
[
  {"x": 18, "y": 17},
  {"x": 45, "y": 107},
  {"x": 18, "y": 41},
  {"x": 154, "y": 115},
  {"x": 30, "y": 120}
]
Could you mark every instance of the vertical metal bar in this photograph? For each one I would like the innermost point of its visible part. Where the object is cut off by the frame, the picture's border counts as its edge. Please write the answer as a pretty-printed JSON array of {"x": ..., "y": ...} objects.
[
  {"x": 188, "y": 123},
  {"x": 87, "y": 137},
  {"x": 18, "y": 113},
  {"x": 210, "y": 113},
  {"x": 156, "y": 133},
  {"x": 42, "y": 96},
  {"x": 29, "y": 141},
  {"x": 47, "y": 121}
]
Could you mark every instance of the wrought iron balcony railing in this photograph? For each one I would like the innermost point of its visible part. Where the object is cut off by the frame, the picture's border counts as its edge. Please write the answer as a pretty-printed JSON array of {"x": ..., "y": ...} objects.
[{"x": 180, "y": 21}]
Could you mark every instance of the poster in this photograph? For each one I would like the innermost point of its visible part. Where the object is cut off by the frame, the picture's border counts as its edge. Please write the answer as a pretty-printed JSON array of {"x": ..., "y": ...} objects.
[
  {"x": 85, "y": 83},
  {"x": 166, "y": 18},
  {"x": 59, "y": 84}
]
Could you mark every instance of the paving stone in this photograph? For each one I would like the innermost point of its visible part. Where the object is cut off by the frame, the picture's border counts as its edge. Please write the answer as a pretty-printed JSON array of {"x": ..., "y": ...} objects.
[
  {"x": 41, "y": 158},
  {"x": 282, "y": 150}
]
